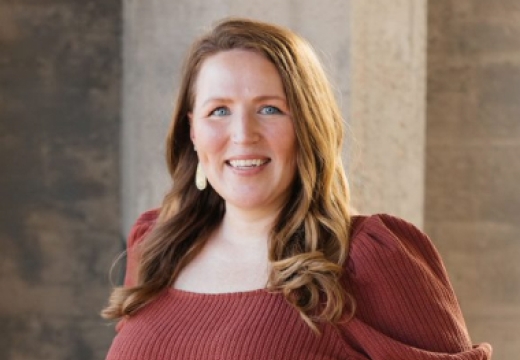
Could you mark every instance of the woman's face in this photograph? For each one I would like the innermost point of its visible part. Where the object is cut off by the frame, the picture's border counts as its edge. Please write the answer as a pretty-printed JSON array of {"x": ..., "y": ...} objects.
[{"x": 242, "y": 130}]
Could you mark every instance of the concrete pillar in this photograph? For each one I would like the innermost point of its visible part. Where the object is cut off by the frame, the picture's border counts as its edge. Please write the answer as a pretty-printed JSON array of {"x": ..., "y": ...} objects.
[
  {"x": 472, "y": 197},
  {"x": 59, "y": 135},
  {"x": 387, "y": 107},
  {"x": 386, "y": 89}
]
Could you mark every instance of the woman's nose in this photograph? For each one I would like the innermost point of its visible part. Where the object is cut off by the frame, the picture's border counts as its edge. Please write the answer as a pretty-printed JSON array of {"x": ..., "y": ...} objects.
[{"x": 245, "y": 128}]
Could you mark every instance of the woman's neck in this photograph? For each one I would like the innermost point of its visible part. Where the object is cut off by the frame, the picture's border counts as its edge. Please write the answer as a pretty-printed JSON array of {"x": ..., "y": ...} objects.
[
  {"x": 249, "y": 228},
  {"x": 234, "y": 257}
]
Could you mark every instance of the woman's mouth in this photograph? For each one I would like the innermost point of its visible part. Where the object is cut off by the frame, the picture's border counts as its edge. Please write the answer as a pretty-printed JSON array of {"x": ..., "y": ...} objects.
[{"x": 247, "y": 163}]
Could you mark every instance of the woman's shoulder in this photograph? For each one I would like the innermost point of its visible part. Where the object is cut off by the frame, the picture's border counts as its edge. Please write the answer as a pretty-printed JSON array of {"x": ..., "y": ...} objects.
[
  {"x": 402, "y": 289},
  {"x": 381, "y": 236},
  {"x": 142, "y": 226},
  {"x": 149, "y": 216},
  {"x": 389, "y": 244},
  {"x": 381, "y": 224}
]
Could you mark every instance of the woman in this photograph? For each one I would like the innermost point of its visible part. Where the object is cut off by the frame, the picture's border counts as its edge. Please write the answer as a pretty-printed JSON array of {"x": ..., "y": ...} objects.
[{"x": 253, "y": 254}]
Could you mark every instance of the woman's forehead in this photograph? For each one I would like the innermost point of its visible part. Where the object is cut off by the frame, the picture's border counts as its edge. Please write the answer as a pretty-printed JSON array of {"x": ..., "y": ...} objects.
[{"x": 236, "y": 74}]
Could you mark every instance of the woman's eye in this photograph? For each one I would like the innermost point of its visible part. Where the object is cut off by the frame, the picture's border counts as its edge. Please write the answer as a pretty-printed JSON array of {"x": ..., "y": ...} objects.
[
  {"x": 270, "y": 110},
  {"x": 220, "y": 111}
]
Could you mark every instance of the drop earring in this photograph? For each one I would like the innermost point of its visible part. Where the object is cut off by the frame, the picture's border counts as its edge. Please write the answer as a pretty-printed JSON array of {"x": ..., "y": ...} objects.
[{"x": 200, "y": 178}]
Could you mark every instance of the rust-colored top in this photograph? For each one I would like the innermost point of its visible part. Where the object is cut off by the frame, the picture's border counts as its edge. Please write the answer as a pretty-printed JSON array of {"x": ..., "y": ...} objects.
[{"x": 406, "y": 309}]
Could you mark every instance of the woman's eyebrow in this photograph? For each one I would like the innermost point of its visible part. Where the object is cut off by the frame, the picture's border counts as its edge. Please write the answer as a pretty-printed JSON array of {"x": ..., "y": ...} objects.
[
  {"x": 224, "y": 100},
  {"x": 216, "y": 99}
]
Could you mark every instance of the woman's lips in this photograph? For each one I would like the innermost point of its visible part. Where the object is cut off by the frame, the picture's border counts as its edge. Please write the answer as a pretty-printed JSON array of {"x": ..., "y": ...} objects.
[{"x": 247, "y": 163}]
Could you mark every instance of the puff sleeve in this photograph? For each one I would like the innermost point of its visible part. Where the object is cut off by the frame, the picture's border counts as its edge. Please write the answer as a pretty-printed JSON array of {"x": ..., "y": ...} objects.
[
  {"x": 406, "y": 307},
  {"x": 138, "y": 231}
]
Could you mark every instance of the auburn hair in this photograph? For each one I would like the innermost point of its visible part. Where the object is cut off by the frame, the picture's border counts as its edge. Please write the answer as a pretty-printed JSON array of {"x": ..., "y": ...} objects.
[{"x": 309, "y": 241}]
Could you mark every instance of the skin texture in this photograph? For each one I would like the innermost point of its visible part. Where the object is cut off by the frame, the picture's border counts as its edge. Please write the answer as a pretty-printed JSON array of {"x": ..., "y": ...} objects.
[{"x": 240, "y": 112}]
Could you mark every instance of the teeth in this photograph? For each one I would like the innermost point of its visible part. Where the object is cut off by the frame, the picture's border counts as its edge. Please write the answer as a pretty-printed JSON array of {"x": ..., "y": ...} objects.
[{"x": 246, "y": 163}]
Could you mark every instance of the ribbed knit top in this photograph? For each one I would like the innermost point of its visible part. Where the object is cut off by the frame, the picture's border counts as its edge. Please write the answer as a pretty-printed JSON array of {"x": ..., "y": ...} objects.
[{"x": 406, "y": 309}]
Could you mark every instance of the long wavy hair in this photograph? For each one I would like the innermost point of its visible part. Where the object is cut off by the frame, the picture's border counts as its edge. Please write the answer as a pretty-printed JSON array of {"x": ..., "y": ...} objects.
[{"x": 309, "y": 240}]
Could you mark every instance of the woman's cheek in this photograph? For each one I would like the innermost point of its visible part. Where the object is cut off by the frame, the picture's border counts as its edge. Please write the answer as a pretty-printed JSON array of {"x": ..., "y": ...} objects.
[{"x": 210, "y": 141}]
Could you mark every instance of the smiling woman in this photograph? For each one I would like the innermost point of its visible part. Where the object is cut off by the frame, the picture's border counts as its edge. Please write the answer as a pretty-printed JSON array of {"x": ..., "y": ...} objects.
[
  {"x": 253, "y": 253},
  {"x": 243, "y": 132}
]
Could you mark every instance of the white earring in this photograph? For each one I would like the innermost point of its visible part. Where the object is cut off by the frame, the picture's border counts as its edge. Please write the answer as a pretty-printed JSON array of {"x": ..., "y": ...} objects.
[{"x": 200, "y": 178}]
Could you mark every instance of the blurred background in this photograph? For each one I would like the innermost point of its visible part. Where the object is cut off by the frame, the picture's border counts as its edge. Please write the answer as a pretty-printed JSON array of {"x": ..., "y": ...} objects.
[{"x": 430, "y": 91}]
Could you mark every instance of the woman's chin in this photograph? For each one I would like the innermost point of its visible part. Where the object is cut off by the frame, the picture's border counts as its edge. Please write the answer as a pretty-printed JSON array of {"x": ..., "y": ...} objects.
[{"x": 250, "y": 204}]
